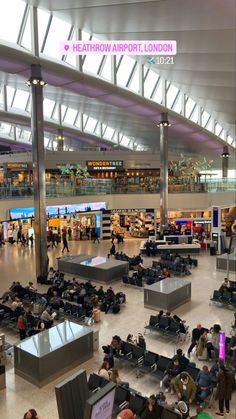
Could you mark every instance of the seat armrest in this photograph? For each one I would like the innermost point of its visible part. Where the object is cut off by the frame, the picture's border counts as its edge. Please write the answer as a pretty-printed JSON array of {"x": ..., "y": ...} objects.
[
  {"x": 154, "y": 367},
  {"x": 123, "y": 405},
  {"x": 140, "y": 360}
]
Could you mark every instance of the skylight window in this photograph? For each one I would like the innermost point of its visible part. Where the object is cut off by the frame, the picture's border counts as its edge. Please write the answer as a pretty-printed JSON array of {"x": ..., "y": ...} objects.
[
  {"x": 59, "y": 31},
  {"x": 11, "y": 15}
]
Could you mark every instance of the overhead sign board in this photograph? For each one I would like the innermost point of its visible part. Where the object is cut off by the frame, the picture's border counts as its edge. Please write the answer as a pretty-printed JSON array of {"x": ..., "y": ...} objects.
[{"x": 105, "y": 164}]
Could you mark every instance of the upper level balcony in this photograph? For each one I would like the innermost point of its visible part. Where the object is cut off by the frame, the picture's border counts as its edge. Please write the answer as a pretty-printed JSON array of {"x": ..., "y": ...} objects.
[{"x": 106, "y": 187}]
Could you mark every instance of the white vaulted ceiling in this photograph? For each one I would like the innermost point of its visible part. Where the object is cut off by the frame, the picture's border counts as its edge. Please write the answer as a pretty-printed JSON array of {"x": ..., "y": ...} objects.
[{"x": 204, "y": 67}]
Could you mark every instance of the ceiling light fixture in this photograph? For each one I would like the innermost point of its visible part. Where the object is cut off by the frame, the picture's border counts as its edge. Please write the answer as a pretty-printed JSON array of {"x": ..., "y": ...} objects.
[
  {"x": 36, "y": 82},
  {"x": 225, "y": 153}
]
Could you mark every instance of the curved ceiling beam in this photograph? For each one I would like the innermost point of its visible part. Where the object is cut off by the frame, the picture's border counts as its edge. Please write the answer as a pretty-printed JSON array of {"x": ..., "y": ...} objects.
[{"x": 16, "y": 61}]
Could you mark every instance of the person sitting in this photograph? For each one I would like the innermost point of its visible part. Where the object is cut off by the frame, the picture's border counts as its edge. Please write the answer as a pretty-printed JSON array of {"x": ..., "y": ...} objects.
[
  {"x": 160, "y": 315},
  {"x": 224, "y": 286},
  {"x": 182, "y": 359},
  {"x": 204, "y": 383},
  {"x": 100, "y": 292},
  {"x": 55, "y": 301},
  {"x": 141, "y": 341},
  {"x": 16, "y": 303},
  {"x": 152, "y": 409},
  {"x": 5, "y": 296},
  {"x": 164, "y": 273},
  {"x": 116, "y": 344},
  {"x": 104, "y": 370},
  {"x": 213, "y": 341},
  {"x": 115, "y": 378},
  {"x": 173, "y": 369},
  {"x": 185, "y": 387},
  {"x": 30, "y": 287},
  {"x": 47, "y": 317},
  {"x": 130, "y": 339}
]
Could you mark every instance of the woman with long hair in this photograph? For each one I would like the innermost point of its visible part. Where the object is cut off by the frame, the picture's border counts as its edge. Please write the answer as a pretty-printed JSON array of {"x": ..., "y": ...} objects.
[{"x": 31, "y": 414}]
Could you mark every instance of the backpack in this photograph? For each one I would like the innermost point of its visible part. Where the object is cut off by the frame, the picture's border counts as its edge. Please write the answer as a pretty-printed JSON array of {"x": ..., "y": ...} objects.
[{"x": 116, "y": 308}]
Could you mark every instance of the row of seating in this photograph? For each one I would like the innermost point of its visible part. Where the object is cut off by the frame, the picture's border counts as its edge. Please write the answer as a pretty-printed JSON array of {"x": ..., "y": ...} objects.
[
  {"x": 168, "y": 326},
  {"x": 149, "y": 362},
  {"x": 226, "y": 299},
  {"x": 127, "y": 398},
  {"x": 133, "y": 280}
]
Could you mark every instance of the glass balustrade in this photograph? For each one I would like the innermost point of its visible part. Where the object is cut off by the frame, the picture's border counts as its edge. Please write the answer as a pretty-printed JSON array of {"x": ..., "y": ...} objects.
[{"x": 96, "y": 187}]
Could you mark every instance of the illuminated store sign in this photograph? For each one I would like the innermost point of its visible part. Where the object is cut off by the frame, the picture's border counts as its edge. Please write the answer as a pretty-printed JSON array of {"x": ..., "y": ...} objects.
[
  {"x": 104, "y": 164},
  {"x": 57, "y": 210},
  {"x": 122, "y": 211},
  {"x": 17, "y": 166}
]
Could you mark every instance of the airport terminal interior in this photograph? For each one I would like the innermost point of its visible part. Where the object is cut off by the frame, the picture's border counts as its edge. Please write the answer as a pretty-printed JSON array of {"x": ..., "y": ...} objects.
[{"x": 117, "y": 168}]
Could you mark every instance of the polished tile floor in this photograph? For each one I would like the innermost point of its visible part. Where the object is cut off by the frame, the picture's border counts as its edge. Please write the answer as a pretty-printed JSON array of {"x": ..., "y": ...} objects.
[{"x": 17, "y": 263}]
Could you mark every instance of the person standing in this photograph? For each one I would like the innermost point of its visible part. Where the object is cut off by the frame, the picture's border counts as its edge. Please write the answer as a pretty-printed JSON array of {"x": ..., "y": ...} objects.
[
  {"x": 21, "y": 326},
  {"x": 65, "y": 243},
  {"x": 225, "y": 380}
]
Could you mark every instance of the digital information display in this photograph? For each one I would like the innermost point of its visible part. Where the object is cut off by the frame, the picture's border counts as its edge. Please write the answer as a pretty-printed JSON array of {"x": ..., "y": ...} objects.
[{"x": 57, "y": 210}]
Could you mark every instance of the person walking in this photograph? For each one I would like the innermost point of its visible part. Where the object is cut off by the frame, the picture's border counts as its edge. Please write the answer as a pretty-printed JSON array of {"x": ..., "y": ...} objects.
[
  {"x": 95, "y": 237},
  {"x": 225, "y": 380},
  {"x": 65, "y": 243}
]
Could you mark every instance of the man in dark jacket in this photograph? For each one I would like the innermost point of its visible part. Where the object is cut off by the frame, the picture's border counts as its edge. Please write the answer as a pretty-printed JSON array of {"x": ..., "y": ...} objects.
[
  {"x": 196, "y": 333},
  {"x": 173, "y": 369}
]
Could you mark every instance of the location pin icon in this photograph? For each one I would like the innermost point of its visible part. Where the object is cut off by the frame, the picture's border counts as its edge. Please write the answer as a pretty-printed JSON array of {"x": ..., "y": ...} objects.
[{"x": 66, "y": 47}]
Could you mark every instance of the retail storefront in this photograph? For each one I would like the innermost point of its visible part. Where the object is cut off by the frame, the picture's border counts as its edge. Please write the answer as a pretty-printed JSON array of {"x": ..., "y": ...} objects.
[
  {"x": 133, "y": 222},
  {"x": 80, "y": 220}
]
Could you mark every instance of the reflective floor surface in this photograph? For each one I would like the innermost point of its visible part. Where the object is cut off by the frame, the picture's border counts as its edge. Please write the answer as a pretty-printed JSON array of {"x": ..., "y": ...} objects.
[{"x": 17, "y": 263}]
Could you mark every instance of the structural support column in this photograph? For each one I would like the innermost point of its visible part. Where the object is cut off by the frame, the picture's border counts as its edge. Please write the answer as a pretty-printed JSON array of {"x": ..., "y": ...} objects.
[
  {"x": 225, "y": 162},
  {"x": 36, "y": 84},
  {"x": 164, "y": 124},
  {"x": 60, "y": 140}
]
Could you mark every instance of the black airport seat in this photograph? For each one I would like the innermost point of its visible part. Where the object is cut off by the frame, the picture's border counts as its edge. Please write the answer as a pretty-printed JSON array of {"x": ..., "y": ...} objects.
[
  {"x": 164, "y": 323},
  {"x": 126, "y": 348},
  {"x": 217, "y": 296},
  {"x": 137, "y": 355},
  {"x": 122, "y": 396},
  {"x": 193, "y": 371},
  {"x": 226, "y": 297},
  {"x": 174, "y": 327},
  {"x": 162, "y": 364},
  {"x": 153, "y": 322},
  {"x": 137, "y": 403},
  {"x": 149, "y": 362}
]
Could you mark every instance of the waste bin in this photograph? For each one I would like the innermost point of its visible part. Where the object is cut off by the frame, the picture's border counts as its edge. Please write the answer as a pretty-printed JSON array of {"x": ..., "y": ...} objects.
[{"x": 95, "y": 340}]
